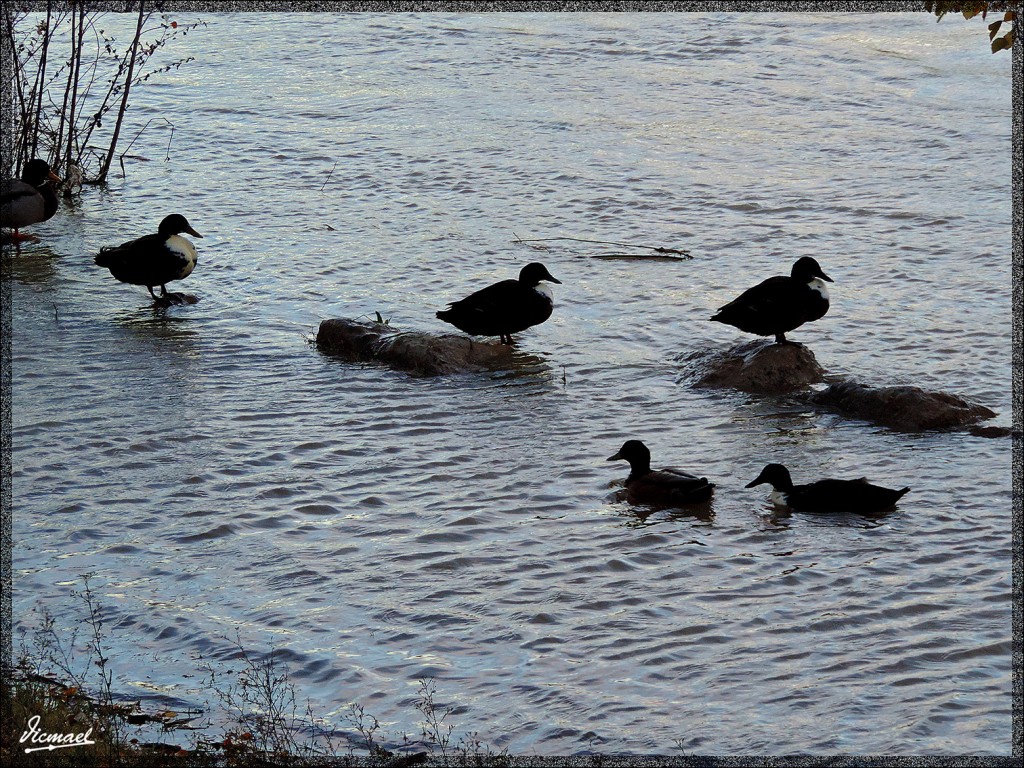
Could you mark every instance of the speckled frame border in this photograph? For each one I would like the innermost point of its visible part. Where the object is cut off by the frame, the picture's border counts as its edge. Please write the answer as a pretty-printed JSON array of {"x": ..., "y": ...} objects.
[{"x": 962, "y": 761}]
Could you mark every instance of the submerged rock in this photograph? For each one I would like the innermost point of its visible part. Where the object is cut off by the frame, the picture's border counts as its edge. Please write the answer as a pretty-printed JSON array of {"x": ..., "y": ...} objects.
[
  {"x": 755, "y": 366},
  {"x": 905, "y": 408},
  {"x": 424, "y": 354}
]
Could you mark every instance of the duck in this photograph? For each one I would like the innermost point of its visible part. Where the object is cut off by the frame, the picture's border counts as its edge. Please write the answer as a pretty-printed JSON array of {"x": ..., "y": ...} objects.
[
  {"x": 659, "y": 486},
  {"x": 780, "y": 304},
  {"x": 153, "y": 260},
  {"x": 506, "y": 307},
  {"x": 827, "y": 495},
  {"x": 30, "y": 200}
]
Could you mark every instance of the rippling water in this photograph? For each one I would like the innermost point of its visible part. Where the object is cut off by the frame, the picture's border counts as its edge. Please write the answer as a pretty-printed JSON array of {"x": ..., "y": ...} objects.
[{"x": 218, "y": 474}]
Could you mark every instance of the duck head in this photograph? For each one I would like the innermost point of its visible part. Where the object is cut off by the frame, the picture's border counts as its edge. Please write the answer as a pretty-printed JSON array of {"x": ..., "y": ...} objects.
[
  {"x": 806, "y": 269},
  {"x": 774, "y": 474},
  {"x": 175, "y": 224},
  {"x": 37, "y": 172},
  {"x": 533, "y": 273},
  {"x": 636, "y": 453}
]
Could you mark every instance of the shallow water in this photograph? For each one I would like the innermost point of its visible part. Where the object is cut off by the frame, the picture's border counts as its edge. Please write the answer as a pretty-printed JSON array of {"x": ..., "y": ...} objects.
[{"x": 218, "y": 475}]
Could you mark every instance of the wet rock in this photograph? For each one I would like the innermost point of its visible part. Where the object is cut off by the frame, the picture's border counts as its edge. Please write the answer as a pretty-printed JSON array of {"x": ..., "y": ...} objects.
[
  {"x": 905, "y": 408},
  {"x": 423, "y": 354},
  {"x": 176, "y": 300},
  {"x": 755, "y": 366}
]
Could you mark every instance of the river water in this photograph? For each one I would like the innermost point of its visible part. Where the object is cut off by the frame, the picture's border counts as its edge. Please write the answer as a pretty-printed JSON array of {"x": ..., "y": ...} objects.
[{"x": 222, "y": 479}]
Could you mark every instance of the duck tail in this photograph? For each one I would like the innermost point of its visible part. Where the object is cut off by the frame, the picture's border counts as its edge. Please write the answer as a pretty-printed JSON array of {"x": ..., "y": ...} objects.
[
  {"x": 901, "y": 492},
  {"x": 105, "y": 257},
  {"x": 444, "y": 314}
]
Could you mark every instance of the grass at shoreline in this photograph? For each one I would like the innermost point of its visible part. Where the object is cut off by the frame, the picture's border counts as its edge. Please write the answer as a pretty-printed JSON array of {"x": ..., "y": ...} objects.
[{"x": 60, "y": 693}]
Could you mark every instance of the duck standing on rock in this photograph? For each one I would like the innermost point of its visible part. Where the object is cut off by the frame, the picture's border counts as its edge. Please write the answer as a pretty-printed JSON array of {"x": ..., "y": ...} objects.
[
  {"x": 30, "y": 200},
  {"x": 780, "y": 303},
  {"x": 659, "y": 486},
  {"x": 506, "y": 307},
  {"x": 827, "y": 495},
  {"x": 154, "y": 259}
]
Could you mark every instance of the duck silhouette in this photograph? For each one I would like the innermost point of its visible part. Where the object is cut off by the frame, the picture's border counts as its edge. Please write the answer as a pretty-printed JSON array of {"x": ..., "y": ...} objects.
[
  {"x": 506, "y": 307},
  {"x": 668, "y": 486},
  {"x": 156, "y": 259},
  {"x": 781, "y": 303},
  {"x": 827, "y": 495},
  {"x": 29, "y": 200}
]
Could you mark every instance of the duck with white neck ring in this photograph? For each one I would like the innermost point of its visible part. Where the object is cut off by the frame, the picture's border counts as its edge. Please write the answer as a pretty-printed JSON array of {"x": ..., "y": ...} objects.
[
  {"x": 506, "y": 307},
  {"x": 780, "y": 304},
  {"x": 827, "y": 495},
  {"x": 156, "y": 259}
]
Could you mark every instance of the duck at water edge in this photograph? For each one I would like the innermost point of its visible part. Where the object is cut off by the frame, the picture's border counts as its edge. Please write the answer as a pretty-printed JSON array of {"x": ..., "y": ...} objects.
[
  {"x": 30, "y": 200},
  {"x": 506, "y": 307},
  {"x": 156, "y": 259}
]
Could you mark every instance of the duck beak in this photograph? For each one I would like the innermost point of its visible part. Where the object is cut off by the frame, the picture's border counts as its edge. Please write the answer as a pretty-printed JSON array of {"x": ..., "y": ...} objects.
[
  {"x": 756, "y": 481},
  {"x": 825, "y": 277},
  {"x": 54, "y": 177},
  {"x": 193, "y": 232},
  {"x": 549, "y": 278},
  {"x": 616, "y": 457}
]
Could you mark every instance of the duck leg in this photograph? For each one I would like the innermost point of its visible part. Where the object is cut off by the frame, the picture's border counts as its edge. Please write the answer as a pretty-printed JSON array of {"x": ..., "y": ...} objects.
[
  {"x": 169, "y": 298},
  {"x": 164, "y": 299},
  {"x": 780, "y": 338},
  {"x": 17, "y": 237}
]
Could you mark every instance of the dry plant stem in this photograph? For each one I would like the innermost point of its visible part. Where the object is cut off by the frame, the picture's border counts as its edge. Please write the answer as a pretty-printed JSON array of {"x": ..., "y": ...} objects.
[
  {"x": 40, "y": 79},
  {"x": 656, "y": 248},
  {"x": 124, "y": 96},
  {"x": 74, "y": 74},
  {"x": 642, "y": 256}
]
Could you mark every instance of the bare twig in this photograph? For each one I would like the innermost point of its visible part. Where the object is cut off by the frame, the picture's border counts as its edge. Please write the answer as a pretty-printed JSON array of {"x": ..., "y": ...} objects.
[
  {"x": 105, "y": 167},
  {"x": 666, "y": 256},
  {"x": 667, "y": 252},
  {"x": 329, "y": 175}
]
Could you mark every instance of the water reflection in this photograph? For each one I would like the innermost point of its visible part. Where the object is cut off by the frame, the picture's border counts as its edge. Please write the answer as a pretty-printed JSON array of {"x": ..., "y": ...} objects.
[
  {"x": 639, "y": 515},
  {"x": 158, "y": 323},
  {"x": 782, "y": 517},
  {"x": 33, "y": 265}
]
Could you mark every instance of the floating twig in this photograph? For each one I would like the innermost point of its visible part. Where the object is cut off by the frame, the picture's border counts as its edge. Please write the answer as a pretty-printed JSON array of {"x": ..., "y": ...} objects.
[
  {"x": 167, "y": 152},
  {"x": 329, "y": 175},
  {"x": 672, "y": 253},
  {"x": 643, "y": 256}
]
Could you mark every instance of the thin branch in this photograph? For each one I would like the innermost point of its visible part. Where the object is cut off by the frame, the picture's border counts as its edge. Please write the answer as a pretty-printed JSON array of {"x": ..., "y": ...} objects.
[
  {"x": 329, "y": 175},
  {"x": 643, "y": 256},
  {"x": 124, "y": 96},
  {"x": 667, "y": 252}
]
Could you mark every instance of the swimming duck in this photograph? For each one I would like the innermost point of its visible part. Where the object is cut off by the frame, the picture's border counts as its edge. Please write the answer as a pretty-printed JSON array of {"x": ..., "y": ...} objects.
[
  {"x": 827, "y": 495},
  {"x": 506, "y": 307},
  {"x": 30, "y": 200},
  {"x": 154, "y": 259},
  {"x": 780, "y": 303},
  {"x": 659, "y": 486}
]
